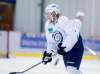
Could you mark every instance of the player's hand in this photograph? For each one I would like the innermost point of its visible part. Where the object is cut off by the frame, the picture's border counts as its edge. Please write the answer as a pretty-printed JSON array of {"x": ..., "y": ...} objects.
[
  {"x": 47, "y": 57},
  {"x": 61, "y": 49}
]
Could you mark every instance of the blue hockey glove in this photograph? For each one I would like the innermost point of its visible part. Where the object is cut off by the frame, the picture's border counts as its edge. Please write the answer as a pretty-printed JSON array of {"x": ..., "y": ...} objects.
[
  {"x": 47, "y": 57},
  {"x": 61, "y": 49}
]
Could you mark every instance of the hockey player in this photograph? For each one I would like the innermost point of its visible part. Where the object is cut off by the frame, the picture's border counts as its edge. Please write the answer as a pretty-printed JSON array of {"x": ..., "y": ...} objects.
[{"x": 63, "y": 36}]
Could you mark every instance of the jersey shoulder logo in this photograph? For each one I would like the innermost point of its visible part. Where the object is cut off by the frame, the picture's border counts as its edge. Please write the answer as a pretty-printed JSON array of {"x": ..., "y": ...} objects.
[{"x": 50, "y": 29}]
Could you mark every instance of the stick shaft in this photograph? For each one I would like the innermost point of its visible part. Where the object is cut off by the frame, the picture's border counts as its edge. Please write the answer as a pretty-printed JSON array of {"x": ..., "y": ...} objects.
[{"x": 28, "y": 68}]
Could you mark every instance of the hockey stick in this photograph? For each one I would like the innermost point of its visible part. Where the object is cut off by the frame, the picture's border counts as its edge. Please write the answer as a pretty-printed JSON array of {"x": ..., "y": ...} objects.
[
  {"x": 93, "y": 52},
  {"x": 28, "y": 68}
]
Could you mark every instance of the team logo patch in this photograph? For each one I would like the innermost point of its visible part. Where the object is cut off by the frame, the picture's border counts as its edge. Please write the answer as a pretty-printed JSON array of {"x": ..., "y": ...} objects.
[{"x": 57, "y": 36}]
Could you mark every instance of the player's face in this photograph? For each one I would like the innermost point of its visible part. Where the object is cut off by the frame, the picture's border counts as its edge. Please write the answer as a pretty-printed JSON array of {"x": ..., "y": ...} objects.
[{"x": 49, "y": 16}]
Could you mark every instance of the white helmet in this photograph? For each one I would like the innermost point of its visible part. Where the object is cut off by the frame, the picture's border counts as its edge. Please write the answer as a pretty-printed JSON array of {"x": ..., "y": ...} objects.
[{"x": 52, "y": 7}]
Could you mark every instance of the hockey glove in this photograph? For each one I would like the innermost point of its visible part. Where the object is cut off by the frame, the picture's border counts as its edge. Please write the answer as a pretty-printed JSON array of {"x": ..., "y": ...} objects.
[
  {"x": 61, "y": 49},
  {"x": 47, "y": 57}
]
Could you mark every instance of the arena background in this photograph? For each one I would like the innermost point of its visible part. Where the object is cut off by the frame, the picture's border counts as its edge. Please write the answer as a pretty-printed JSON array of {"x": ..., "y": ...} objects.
[{"x": 22, "y": 26}]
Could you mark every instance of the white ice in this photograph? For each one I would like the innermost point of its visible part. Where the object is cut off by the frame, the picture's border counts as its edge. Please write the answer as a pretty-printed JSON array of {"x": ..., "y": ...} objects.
[{"x": 22, "y": 63}]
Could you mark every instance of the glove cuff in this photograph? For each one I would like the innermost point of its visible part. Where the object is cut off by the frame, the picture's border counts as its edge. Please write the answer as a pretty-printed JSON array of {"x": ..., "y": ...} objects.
[{"x": 47, "y": 54}]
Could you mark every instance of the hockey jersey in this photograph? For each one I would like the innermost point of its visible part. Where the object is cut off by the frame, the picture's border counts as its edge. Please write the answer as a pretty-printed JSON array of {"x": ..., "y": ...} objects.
[{"x": 65, "y": 31}]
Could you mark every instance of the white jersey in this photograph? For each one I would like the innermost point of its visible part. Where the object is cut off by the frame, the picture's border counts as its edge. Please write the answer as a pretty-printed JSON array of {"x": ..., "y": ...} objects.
[{"x": 65, "y": 31}]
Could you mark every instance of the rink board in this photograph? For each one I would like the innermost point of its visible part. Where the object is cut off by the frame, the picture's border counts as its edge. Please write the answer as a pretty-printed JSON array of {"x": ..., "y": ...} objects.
[
  {"x": 33, "y": 45},
  {"x": 39, "y": 55}
]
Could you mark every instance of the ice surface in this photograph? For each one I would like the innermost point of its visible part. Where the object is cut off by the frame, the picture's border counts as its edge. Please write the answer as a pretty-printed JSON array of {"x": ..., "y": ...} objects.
[{"x": 22, "y": 63}]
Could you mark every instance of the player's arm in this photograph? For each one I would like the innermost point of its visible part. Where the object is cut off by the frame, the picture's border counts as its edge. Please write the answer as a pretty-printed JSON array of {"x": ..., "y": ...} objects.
[
  {"x": 47, "y": 56},
  {"x": 50, "y": 41},
  {"x": 79, "y": 18},
  {"x": 72, "y": 35},
  {"x": 70, "y": 41},
  {"x": 77, "y": 25},
  {"x": 67, "y": 44}
]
